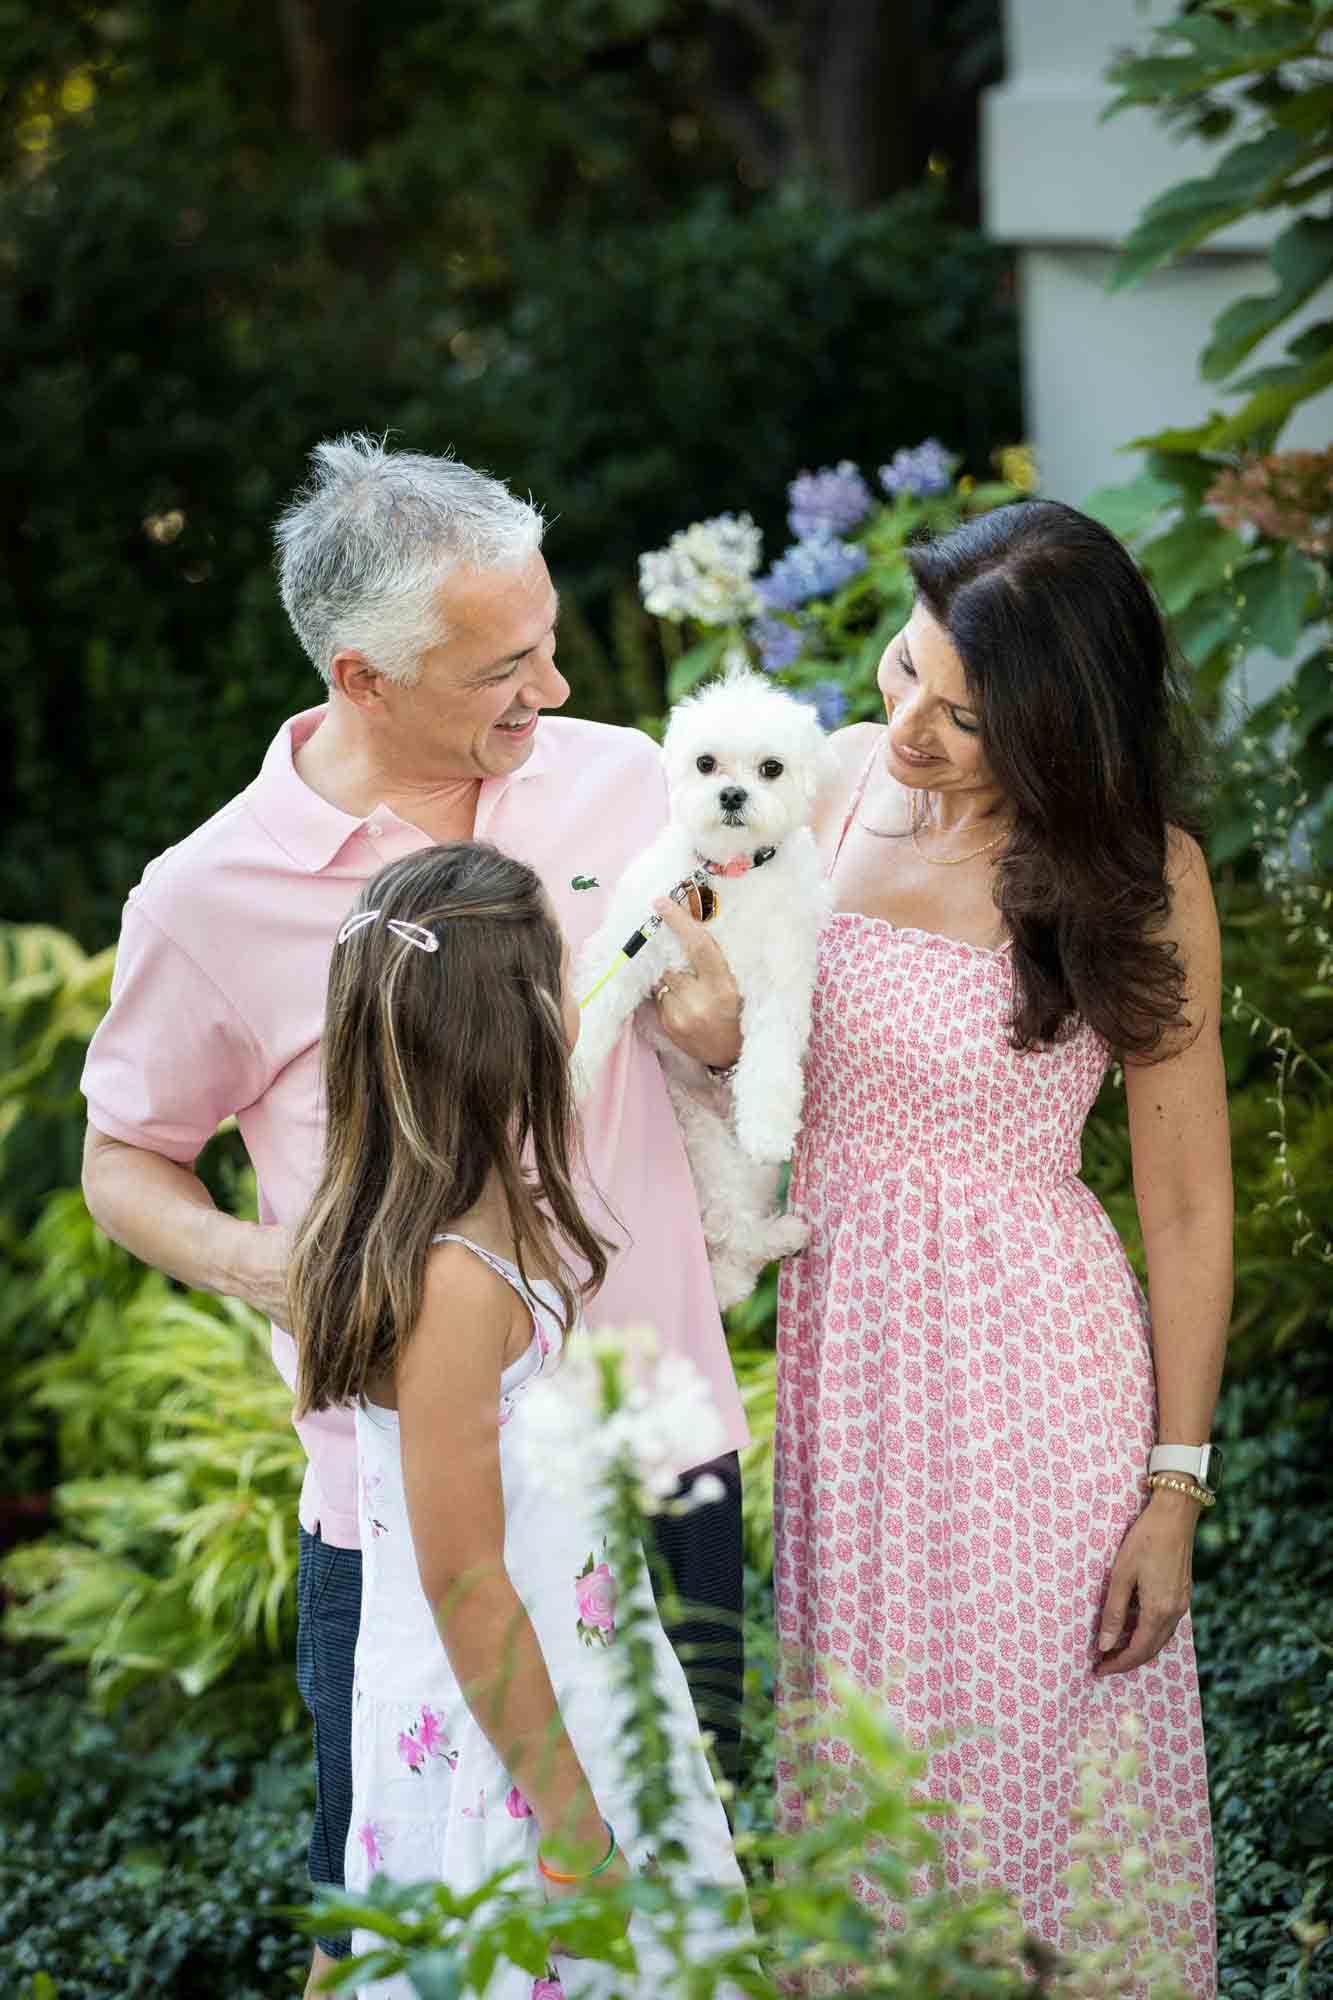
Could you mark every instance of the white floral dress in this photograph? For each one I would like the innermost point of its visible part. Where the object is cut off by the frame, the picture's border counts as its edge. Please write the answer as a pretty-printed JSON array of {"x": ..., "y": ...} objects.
[{"x": 430, "y": 1797}]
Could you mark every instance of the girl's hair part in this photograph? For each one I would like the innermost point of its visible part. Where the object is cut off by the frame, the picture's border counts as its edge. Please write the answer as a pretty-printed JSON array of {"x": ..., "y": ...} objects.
[
  {"x": 1085, "y": 727},
  {"x": 439, "y": 1069}
]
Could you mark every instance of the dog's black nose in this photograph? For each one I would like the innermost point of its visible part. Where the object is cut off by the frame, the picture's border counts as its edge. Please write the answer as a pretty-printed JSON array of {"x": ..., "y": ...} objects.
[{"x": 732, "y": 797}]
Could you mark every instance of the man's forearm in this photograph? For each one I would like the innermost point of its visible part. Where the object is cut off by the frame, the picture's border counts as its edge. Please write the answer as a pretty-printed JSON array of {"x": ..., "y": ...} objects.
[{"x": 162, "y": 1213}]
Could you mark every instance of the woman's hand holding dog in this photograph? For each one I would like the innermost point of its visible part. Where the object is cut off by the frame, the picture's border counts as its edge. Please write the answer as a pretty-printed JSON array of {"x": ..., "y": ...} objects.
[{"x": 698, "y": 1006}]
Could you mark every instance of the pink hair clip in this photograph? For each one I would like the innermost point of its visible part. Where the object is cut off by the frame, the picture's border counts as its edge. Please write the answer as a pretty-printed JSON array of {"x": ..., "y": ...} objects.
[{"x": 417, "y": 934}]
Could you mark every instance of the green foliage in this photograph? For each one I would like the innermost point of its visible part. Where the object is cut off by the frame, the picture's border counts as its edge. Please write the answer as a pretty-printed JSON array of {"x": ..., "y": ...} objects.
[
  {"x": 1237, "y": 536},
  {"x": 51, "y": 998},
  {"x": 1254, "y": 74},
  {"x": 1263, "y": 1628},
  {"x": 1229, "y": 591},
  {"x": 176, "y": 1553},
  {"x": 140, "y": 1855},
  {"x": 60, "y": 1276}
]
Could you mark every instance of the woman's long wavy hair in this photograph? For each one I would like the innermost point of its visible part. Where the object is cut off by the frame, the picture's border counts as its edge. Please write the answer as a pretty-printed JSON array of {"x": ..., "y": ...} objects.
[
  {"x": 1083, "y": 724},
  {"x": 439, "y": 1068}
]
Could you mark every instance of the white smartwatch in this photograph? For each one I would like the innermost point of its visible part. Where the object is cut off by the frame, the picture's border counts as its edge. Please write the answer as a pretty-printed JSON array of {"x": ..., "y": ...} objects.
[{"x": 1201, "y": 1462}]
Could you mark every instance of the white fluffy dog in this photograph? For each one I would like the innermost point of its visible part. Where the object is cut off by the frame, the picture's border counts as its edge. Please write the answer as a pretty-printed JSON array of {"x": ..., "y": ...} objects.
[{"x": 744, "y": 765}]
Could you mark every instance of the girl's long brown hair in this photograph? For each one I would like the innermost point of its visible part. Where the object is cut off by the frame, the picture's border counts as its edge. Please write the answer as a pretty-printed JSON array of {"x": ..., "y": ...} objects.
[{"x": 439, "y": 1068}]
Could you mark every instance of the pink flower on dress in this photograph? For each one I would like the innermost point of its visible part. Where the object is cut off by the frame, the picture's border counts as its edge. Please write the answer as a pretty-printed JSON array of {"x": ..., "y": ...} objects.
[
  {"x": 410, "y": 1751},
  {"x": 431, "y": 1732},
  {"x": 373, "y": 1842},
  {"x": 516, "y": 1805},
  {"x": 548, "y": 1988},
  {"x": 595, "y": 1595},
  {"x": 368, "y": 1485}
]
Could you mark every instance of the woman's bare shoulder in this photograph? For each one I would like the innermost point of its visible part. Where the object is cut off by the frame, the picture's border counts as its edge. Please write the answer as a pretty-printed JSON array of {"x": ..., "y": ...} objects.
[
  {"x": 853, "y": 744},
  {"x": 850, "y": 747}
]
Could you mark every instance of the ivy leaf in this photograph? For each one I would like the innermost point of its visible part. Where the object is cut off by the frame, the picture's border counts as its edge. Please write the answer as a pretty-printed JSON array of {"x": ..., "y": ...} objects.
[
  {"x": 1264, "y": 414},
  {"x": 435, "y": 1976},
  {"x": 1127, "y": 510},
  {"x": 1220, "y": 50},
  {"x": 695, "y": 665},
  {"x": 1245, "y": 178},
  {"x": 1193, "y": 557},
  {"x": 1302, "y": 258},
  {"x": 1204, "y": 625},
  {"x": 1278, "y": 589}
]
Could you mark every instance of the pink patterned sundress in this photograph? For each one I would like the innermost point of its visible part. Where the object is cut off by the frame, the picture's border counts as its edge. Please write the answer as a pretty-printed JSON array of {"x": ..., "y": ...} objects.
[{"x": 966, "y": 1403}]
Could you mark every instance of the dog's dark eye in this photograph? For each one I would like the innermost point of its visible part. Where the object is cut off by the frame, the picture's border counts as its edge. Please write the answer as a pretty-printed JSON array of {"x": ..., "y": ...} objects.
[
  {"x": 705, "y": 764},
  {"x": 770, "y": 768}
]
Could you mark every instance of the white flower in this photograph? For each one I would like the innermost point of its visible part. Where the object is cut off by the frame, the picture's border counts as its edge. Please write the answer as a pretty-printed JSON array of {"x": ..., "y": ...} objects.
[
  {"x": 705, "y": 572},
  {"x": 666, "y": 1418}
]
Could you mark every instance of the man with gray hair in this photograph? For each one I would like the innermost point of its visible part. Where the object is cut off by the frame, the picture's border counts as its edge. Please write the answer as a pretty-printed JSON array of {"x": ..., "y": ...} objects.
[{"x": 418, "y": 588}]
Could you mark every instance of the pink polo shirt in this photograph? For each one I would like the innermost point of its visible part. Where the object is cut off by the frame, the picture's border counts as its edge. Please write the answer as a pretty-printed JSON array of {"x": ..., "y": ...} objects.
[{"x": 218, "y": 999}]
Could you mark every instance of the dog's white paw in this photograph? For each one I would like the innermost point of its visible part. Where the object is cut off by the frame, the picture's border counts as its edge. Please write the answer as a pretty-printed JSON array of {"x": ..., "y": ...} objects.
[
  {"x": 782, "y": 1236},
  {"x": 765, "y": 1133}
]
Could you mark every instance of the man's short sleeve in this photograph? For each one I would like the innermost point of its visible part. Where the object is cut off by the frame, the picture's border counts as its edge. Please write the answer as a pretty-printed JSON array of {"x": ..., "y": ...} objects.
[{"x": 172, "y": 1057}]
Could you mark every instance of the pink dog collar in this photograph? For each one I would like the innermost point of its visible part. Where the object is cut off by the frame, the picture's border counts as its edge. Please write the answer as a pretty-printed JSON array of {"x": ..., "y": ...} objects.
[{"x": 741, "y": 864}]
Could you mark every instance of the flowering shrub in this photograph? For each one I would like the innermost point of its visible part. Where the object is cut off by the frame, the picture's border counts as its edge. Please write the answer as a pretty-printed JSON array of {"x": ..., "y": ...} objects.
[
  {"x": 821, "y": 614},
  {"x": 1286, "y": 495},
  {"x": 704, "y": 572}
]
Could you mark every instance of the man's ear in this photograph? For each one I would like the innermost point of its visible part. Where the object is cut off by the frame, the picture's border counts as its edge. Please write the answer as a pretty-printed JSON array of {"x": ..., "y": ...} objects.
[{"x": 356, "y": 678}]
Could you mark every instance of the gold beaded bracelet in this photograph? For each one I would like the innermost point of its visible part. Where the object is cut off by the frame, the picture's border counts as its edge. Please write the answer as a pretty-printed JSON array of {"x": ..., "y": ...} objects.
[{"x": 1174, "y": 1483}]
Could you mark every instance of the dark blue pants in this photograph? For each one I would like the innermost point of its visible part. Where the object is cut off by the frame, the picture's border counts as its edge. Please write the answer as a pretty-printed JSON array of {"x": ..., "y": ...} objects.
[
  {"x": 329, "y": 1599},
  {"x": 701, "y": 1554}
]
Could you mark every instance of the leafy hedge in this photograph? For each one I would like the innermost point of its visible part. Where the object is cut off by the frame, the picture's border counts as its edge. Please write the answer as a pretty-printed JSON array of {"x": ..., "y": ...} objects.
[
  {"x": 1263, "y": 1625},
  {"x": 141, "y": 1856}
]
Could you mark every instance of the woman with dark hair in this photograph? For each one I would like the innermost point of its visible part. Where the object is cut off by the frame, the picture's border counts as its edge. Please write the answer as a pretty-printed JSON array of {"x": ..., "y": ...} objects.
[{"x": 992, "y": 1451}]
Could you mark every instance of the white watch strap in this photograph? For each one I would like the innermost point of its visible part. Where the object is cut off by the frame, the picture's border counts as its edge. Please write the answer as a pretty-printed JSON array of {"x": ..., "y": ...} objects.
[{"x": 1189, "y": 1458}]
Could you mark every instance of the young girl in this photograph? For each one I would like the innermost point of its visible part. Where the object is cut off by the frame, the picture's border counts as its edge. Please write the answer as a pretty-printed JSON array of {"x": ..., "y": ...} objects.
[{"x": 428, "y": 1289}]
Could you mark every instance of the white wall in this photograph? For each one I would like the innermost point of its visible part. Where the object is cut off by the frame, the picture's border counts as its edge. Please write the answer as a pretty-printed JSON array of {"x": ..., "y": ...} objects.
[{"x": 1101, "y": 368}]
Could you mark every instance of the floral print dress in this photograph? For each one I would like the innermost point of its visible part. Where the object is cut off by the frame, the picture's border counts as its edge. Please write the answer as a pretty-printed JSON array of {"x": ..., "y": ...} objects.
[
  {"x": 966, "y": 1403},
  {"x": 430, "y": 1797}
]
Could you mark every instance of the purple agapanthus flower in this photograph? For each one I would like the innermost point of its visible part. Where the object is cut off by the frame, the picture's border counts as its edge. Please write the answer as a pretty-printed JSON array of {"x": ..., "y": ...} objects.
[
  {"x": 815, "y": 567},
  {"x": 777, "y": 642},
  {"x": 829, "y": 501},
  {"x": 927, "y": 470},
  {"x": 827, "y": 700}
]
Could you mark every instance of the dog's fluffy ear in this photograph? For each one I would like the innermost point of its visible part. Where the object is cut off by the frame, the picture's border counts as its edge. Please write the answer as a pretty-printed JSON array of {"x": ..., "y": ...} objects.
[{"x": 819, "y": 763}]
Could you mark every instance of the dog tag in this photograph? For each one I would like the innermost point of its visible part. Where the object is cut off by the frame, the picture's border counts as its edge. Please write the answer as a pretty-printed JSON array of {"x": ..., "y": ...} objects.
[{"x": 699, "y": 898}]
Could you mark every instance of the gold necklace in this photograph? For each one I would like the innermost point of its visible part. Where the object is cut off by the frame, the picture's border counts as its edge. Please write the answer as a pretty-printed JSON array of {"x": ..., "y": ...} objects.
[{"x": 954, "y": 860}]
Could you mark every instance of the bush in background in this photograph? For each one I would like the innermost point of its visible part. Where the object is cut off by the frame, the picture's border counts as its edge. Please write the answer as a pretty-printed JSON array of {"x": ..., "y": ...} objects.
[{"x": 142, "y": 1854}]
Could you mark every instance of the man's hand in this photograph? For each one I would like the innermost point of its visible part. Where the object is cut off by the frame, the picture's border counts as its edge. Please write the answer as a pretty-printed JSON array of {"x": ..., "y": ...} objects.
[
  {"x": 699, "y": 1006},
  {"x": 161, "y": 1212}
]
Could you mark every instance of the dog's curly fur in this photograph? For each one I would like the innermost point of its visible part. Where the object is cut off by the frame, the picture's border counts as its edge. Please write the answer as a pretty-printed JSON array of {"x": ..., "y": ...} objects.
[{"x": 744, "y": 765}]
